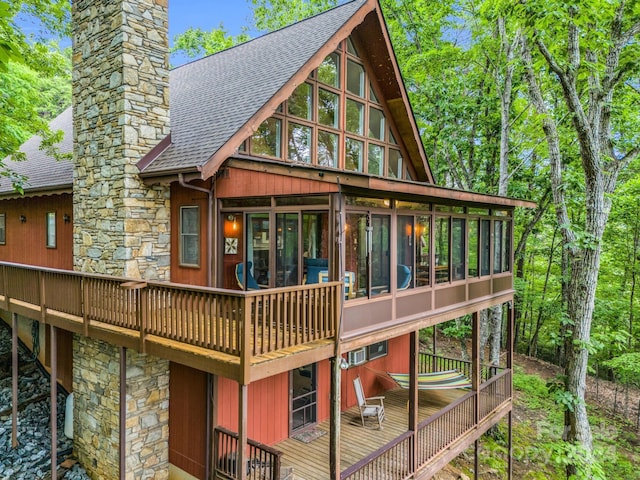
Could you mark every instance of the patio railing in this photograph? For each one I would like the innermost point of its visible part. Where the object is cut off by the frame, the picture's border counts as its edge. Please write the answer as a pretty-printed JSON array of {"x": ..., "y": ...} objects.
[
  {"x": 233, "y": 322},
  {"x": 434, "y": 363},
  {"x": 435, "y": 435},
  {"x": 262, "y": 462}
]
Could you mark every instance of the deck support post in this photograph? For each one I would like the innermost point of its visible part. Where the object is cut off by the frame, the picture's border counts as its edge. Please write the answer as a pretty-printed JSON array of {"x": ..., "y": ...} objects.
[
  {"x": 210, "y": 425},
  {"x": 434, "y": 346},
  {"x": 476, "y": 458},
  {"x": 54, "y": 400},
  {"x": 241, "y": 454},
  {"x": 122, "y": 417},
  {"x": 334, "y": 427},
  {"x": 475, "y": 378},
  {"x": 510, "y": 340},
  {"x": 414, "y": 347},
  {"x": 510, "y": 441},
  {"x": 14, "y": 381}
]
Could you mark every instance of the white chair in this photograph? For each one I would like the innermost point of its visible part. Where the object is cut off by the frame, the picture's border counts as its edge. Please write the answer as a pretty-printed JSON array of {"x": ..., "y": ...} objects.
[{"x": 368, "y": 410}]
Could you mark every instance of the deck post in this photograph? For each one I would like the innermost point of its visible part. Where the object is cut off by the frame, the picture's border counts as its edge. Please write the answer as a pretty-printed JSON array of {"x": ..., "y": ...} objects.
[
  {"x": 476, "y": 458},
  {"x": 510, "y": 340},
  {"x": 475, "y": 379},
  {"x": 14, "y": 381},
  {"x": 54, "y": 400},
  {"x": 122, "y": 417},
  {"x": 241, "y": 454},
  {"x": 434, "y": 345},
  {"x": 510, "y": 441},
  {"x": 414, "y": 347},
  {"x": 334, "y": 427}
]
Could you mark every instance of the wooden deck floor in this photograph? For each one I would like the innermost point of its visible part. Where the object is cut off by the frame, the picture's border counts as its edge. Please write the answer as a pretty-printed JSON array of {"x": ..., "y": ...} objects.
[{"x": 310, "y": 461}]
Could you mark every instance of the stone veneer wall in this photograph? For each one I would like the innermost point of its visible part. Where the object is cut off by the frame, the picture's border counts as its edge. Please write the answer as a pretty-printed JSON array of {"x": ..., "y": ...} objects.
[
  {"x": 95, "y": 406},
  {"x": 121, "y": 225},
  {"x": 96, "y": 411},
  {"x": 120, "y": 112}
]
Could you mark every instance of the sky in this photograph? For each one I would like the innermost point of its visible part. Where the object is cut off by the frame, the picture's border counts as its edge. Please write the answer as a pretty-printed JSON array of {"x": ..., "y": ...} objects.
[{"x": 205, "y": 14}]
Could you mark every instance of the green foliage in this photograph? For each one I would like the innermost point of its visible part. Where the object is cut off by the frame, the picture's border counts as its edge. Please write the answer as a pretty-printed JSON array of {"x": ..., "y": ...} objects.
[
  {"x": 270, "y": 15},
  {"x": 195, "y": 43},
  {"x": 626, "y": 367}
]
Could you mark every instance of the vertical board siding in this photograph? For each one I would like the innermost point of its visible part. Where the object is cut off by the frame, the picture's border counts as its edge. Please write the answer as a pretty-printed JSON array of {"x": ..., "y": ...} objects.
[{"x": 187, "y": 419}]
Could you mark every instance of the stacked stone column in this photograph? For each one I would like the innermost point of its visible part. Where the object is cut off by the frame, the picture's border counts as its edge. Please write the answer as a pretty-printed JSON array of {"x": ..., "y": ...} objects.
[{"x": 121, "y": 225}]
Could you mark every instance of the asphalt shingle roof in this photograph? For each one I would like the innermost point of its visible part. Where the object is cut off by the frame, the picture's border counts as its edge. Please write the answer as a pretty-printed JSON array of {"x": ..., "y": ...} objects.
[
  {"x": 210, "y": 99},
  {"x": 43, "y": 171}
]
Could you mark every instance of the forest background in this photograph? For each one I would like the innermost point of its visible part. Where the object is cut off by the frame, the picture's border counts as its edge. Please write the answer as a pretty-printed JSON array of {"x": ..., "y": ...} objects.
[{"x": 537, "y": 99}]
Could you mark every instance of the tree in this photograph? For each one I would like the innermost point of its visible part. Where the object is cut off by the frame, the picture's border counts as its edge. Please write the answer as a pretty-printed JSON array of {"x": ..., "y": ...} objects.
[
  {"x": 588, "y": 53},
  {"x": 34, "y": 76}
]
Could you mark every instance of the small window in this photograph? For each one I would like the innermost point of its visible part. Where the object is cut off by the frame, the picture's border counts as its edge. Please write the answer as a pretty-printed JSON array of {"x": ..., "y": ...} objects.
[
  {"x": 355, "y": 117},
  {"x": 328, "y": 108},
  {"x": 355, "y": 78},
  {"x": 375, "y": 162},
  {"x": 301, "y": 102},
  {"x": 327, "y": 149},
  {"x": 377, "y": 350},
  {"x": 190, "y": 236},
  {"x": 376, "y": 124},
  {"x": 395, "y": 164},
  {"x": 266, "y": 140},
  {"x": 299, "y": 143},
  {"x": 51, "y": 229},
  {"x": 354, "y": 155},
  {"x": 329, "y": 70},
  {"x": 3, "y": 224}
]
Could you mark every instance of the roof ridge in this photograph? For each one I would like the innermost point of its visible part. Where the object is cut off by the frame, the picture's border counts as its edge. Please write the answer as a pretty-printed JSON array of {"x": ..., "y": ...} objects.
[{"x": 267, "y": 34}]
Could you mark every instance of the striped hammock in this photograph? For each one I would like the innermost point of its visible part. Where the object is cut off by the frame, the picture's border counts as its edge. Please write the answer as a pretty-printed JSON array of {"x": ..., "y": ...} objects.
[{"x": 434, "y": 380}]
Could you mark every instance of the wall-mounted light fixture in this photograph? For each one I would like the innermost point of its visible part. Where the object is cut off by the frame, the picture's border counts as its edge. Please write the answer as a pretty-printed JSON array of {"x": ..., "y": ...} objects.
[
  {"x": 23, "y": 219},
  {"x": 343, "y": 363},
  {"x": 234, "y": 225},
  {"x": 66, "y": 218}
]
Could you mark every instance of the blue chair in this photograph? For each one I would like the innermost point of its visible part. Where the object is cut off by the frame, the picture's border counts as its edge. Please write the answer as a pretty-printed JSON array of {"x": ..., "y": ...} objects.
[
  {"x": 251, "y": 282},
  {"x": 404, "y": 276},
  {"x": 313, "y": 267}
]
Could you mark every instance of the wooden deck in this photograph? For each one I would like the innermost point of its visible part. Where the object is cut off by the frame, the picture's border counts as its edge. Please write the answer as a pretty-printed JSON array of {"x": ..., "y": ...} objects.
[{"x": 310, "y": 461}]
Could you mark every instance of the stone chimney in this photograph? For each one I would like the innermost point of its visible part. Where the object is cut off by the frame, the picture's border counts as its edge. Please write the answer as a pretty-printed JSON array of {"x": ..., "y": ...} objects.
[
  {"x": 120, "y": 111},
  {"x": 121, "y": 225}
]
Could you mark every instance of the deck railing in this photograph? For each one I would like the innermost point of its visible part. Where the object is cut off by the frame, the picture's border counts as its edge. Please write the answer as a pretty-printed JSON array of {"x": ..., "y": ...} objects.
[
  {"x": 434, "y": 363},
  {"x": 435, "y": 435},
  {"x": 494, "y": 392},
  {"x": 227, "y": 321},
  {"x": 262, "y": 461},
  {"x": 440, "y": 430},
  {"x": 390, "y": 461}
]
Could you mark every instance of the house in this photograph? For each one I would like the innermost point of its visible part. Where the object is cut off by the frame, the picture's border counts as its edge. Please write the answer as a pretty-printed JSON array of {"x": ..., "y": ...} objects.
[{"x": 236, "y": 242}]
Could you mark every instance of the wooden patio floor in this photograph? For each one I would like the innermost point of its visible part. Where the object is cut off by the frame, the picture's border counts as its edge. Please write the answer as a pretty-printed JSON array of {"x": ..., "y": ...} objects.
[{"x": 310, "y": 461}]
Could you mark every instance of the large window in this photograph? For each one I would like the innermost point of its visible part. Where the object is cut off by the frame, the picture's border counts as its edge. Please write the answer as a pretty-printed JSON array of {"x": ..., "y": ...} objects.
[
  {"x": 367, "y": 252},
  {"x": 458, "y": 251},
  {"x": 330, "y": 124},
  {"x": 3, "y": 229},
  {"x": 473, "y": 242},
  {"x": 190, "y": 236},
  {"x": 485, "y": 247},
  {"x": 442, "y": 249},
  {"x": 501, "y": 251},
  {"x": 51, "y": 229},
  {"x": 405, "y": 237}
]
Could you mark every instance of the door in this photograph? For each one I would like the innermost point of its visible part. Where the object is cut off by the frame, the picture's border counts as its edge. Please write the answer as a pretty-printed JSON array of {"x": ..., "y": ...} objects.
[{"x": 303, "y": 388}]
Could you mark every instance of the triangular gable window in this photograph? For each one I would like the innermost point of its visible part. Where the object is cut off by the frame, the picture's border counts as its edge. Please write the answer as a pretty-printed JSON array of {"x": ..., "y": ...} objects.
[{"x": 311, "y": 128}]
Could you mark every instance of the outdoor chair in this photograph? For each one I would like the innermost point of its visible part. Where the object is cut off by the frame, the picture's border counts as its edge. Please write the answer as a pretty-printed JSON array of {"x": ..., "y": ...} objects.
[
  {"x": 368, "y": 410},
  {"x": 404, "y": 277},
  {"x": 251, "y": 282}
]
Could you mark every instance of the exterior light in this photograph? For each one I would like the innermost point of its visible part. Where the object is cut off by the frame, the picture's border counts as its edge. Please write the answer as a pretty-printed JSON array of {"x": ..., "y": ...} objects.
[{"x": 23, "y": 219}]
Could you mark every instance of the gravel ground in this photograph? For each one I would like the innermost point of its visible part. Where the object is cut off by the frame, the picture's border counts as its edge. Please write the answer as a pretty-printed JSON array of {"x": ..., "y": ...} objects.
[{"x": 31, "y": 460}]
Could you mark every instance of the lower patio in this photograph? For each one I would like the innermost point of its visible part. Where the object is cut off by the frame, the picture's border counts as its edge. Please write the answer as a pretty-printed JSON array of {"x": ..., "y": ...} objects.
[{"x": 310, "y": 461}]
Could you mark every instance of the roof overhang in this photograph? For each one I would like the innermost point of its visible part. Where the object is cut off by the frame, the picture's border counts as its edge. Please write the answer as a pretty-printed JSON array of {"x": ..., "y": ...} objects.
[{"x": 363, "y": 184}]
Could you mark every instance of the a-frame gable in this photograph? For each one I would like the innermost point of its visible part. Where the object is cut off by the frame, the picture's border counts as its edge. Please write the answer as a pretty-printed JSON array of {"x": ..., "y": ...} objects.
[{"x": 221, "y": 100}]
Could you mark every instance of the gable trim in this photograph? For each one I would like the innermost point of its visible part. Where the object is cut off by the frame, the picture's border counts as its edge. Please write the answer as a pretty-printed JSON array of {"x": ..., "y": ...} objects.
[{"x": 210, "y": 167}]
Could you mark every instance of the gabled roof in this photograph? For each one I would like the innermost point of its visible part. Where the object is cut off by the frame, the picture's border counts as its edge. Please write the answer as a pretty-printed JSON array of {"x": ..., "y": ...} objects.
[
  {"x": 213, "y": 99},
  {"x": 219, "y": 101}
]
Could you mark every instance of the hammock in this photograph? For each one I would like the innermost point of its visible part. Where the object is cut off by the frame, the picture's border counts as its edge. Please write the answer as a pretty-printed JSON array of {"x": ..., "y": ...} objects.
[{"x": 434, "y": 380}]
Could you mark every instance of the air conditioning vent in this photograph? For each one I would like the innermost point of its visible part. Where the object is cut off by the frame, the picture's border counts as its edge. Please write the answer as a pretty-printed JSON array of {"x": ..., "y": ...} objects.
[{"x": 358, "y": 357}]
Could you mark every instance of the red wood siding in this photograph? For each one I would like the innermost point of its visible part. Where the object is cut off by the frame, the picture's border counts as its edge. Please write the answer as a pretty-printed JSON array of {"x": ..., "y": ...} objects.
[
  {"x": 187, "y": 419},
  {"x": 268, "y": 408},
  {"x": 246, "y": 183},
  {"x": 184, "y": 197},
  {"x": 375, "y": 381},
  {"x": 26, "y": 242}
]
